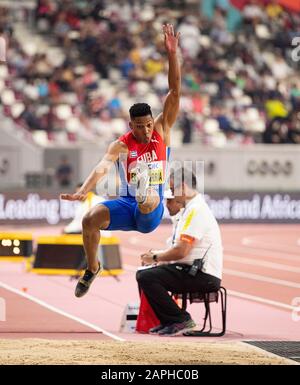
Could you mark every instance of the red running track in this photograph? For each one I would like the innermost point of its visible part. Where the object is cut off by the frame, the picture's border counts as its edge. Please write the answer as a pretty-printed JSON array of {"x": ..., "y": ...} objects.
[{"x": 261, "y": 273}]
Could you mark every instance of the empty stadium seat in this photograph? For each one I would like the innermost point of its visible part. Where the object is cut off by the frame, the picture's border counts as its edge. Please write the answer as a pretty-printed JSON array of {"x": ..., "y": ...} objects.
[
  {"x": 211, "y": 126},
  {"x": 3, "y": 71},
  {"x": 17, "y": 109},
  {"x": 40, "y": 137},
  {"x": 63, "y": 111},
  {"x": 7, "y": 97},
  {"x": 73, "y": 124}
]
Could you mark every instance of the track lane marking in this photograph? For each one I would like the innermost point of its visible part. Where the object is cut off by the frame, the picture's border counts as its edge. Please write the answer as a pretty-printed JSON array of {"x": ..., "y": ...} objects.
[
  {"x": 262, "y": 263},
  {"x": 262, "y": 278},
  {"x": 133, "y": 269},
  {"x": 61, "y": 312},
  {"x": 246, "y": 241},
  {"x": 256, "y": 251},
  {"x": 260, "y": 299},
  {"x": 252, "y": 276},
  {"x": 247, "y": 249}
]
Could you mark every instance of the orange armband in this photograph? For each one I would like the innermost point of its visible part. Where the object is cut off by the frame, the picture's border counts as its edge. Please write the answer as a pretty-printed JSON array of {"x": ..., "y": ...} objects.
[{"x": 187, "y": 238}]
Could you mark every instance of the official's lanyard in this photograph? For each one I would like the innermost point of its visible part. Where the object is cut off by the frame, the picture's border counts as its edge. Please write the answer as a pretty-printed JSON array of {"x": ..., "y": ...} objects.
[
  {"x": 175, "y": 230},
  {"x": 174, "y": 235}
]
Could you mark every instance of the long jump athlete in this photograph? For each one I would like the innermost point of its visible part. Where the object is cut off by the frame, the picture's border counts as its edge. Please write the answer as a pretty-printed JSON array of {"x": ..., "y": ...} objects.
[{"x": 145, "y": 149}]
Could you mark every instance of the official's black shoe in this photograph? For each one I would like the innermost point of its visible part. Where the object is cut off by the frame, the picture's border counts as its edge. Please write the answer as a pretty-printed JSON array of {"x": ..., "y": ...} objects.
[
  {"x": 85, "y": 282},
  {"x": 177, "y": 328},
  {"x": 156, "y": 329}
]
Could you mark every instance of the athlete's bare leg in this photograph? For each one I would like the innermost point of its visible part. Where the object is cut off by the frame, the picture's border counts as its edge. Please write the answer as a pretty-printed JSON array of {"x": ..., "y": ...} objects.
[
  {"x": 151, "y": 202},
  {"x": 147, "y": 198},
  {"x": 96, "y": 219}
]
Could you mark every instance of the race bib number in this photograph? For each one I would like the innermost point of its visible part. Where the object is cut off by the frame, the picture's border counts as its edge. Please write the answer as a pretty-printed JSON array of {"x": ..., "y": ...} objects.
[
  {"x": 156, "y": 176},
  {"x": 156, "y": 173}
]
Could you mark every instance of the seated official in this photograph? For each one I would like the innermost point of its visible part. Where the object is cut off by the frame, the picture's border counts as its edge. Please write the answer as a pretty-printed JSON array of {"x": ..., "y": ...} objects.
[{"x": 192, "y": 263}]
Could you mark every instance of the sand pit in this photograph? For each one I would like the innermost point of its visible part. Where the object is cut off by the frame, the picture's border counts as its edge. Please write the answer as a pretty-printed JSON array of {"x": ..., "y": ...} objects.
[{"x": 39, "y": 351}]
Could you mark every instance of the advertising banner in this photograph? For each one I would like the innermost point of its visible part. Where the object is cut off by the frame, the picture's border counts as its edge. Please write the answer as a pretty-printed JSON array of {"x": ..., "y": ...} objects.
[
  {"x": 228, "y": 207},
  {"x": 25, "y": 208}
]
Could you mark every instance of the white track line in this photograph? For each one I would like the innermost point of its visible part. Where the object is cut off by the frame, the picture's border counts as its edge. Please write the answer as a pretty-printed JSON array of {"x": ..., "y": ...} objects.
[
  {"x": 260, "y": 299},
  {"x": 262, "y": 263},
  {"x": 261, "y": 278},
  {"x": 253, "y": 250},
  {"x": 246, "y": 241},
  {"x": 236, "y": 273},
  {"x": 136, "y": 243},
  {"x": 61, "y": 312},
  {"x": 234, "y": 293}
]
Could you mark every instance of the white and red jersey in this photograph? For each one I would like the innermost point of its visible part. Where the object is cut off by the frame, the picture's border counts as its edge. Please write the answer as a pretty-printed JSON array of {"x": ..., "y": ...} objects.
[{"x": 154, "y": 154}]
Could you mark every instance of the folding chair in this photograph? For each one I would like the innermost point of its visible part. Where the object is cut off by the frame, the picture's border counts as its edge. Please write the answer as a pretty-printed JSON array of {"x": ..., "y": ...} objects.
[{"x": 206, "y": 298}]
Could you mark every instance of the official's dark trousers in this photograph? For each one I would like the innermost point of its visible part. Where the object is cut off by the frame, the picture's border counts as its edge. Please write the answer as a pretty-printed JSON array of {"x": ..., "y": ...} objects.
[{"x": 157, "y": 282}]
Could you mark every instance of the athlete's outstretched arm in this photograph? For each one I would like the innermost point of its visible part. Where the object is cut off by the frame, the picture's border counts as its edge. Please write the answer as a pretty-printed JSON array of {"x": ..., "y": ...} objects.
[
  {"x": 171, "y": 105},
  {"x": 102, "y": 168}
]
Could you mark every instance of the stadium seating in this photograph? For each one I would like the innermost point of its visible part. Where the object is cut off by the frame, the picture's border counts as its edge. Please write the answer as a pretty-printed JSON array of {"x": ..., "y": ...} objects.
[{"x": 84, "y": 63}]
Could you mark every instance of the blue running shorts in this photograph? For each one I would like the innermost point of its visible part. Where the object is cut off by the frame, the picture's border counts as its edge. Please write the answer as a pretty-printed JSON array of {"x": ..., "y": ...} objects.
[{"x": 125, "y": 215}]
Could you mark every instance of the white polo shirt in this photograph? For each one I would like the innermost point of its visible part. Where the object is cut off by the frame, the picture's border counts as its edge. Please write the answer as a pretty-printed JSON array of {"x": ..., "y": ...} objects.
[{"x": 197, "y": 220}]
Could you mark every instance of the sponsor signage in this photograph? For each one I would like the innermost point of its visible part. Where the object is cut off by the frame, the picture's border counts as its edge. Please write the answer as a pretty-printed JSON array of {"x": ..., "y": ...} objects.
[
  {"x": 255, "y": 207},
  {"x": 18, "y": 208},
  {"x": 47, "y": 208}
]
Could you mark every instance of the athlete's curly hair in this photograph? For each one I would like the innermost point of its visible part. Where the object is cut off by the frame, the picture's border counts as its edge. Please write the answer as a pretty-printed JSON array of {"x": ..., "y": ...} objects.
[{"x": 139, "y": 109}]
